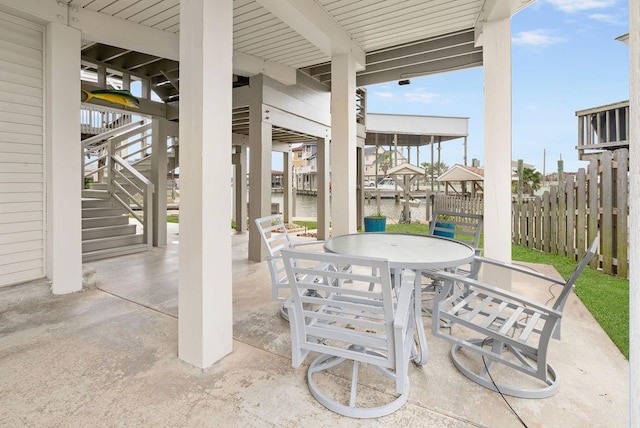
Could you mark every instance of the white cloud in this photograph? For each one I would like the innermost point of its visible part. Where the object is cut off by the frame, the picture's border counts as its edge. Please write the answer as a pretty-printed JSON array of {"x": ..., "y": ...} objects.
[
  {"x": 609, "y": 19},
  {"x": 421, "y": 96},
  {"x": 535, "y": 38},
  {"x": 571, "y": 6},
  {"x": 384, "y": 94}
]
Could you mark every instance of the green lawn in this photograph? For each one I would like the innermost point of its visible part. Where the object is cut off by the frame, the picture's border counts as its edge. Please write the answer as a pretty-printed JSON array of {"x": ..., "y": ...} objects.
[
  {"x": 606, "y": 296},
  {"x": 308, "y": 225}
]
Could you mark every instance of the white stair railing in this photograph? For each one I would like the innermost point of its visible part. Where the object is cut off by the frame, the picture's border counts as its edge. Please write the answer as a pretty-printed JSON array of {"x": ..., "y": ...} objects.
[
  {"x": 134, "y": 192},
  {"x": 95, "y": 150},
  {"x": 98, "y": 120}
]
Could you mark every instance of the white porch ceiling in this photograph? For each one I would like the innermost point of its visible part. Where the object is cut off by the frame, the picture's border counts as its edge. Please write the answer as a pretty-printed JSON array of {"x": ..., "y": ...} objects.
[{"x": 284, "y": 35}]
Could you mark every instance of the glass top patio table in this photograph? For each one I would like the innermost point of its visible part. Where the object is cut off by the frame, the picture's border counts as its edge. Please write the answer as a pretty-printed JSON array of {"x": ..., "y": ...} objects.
[
  {"x": 406, "y": 251},
  {"x": 403, "y": 250}
]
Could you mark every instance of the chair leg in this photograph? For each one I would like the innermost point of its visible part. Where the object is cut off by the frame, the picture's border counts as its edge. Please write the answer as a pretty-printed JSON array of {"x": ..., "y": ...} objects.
[
  {"x": 283, "y": 313},
  {"x": 325, "y": 362},
  {"x": 482, "y": 377}
]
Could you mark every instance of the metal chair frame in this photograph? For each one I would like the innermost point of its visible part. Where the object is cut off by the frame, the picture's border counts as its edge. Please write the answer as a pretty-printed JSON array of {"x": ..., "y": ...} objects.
[
  {"x": 359, "y": 318},
  {"x": 275, "y": 236},
  {"x": 513, "y": 331}
]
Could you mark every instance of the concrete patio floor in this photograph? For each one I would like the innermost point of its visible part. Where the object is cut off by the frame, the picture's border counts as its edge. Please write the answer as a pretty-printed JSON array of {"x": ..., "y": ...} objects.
[{"x": 107, "y": 356}]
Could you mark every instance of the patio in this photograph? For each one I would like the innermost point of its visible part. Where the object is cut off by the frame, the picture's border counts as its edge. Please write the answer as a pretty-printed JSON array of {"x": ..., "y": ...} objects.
[{"x": 108, "y": 356}]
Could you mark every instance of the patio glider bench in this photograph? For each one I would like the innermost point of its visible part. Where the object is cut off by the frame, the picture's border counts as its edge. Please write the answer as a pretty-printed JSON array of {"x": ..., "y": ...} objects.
[
  {"x": 499, "y": 336},
  {"x": 359, "y": 319}
]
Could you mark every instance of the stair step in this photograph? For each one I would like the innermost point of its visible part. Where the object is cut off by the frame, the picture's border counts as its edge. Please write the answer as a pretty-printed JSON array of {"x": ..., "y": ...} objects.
[
  {"x": 99, "y": 186},
  {"x": 95, "y": 194},
  {"x": 113, "y": 252},
  {"x": 97, "y": 203},
  {"x": 101, "y": 212},
  {"x": 89, "y": 223},
  {"x": 112, "y": 242},
  {"x": 108, "y": 231}
]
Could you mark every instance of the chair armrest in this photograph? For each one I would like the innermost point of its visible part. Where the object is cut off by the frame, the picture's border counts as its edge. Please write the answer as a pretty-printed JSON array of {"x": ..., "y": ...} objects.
[
  {"x": 302, "y": 244},
  {"x": 475, "y": 284},
  {"x": 518, "y": 269}
]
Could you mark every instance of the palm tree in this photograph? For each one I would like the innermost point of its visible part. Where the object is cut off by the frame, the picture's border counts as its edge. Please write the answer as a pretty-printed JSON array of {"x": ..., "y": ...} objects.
[
  {"x": 434, "y": 170},
  {"x": 531, "y": 180},
  {"x": 385, "y": 162}
]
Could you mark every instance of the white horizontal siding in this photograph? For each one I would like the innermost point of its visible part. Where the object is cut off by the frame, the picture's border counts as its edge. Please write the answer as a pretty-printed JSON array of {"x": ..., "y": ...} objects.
[{"x": 22, "y": 201}]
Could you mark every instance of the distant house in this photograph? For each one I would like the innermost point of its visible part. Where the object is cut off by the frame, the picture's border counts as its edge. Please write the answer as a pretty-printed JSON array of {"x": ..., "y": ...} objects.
[
  {"x": 375, "y": 157},
  {"x": 305, "y": 167}
]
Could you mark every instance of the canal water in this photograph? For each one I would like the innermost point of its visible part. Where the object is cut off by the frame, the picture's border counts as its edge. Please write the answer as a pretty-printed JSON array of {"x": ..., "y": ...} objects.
[{"x": 306, "y": 206}]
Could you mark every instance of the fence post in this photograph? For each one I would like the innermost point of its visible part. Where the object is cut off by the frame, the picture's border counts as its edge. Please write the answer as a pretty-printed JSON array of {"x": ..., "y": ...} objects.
[
  {"x": 606, "y": 202},
  {"x": 571, "y": 218},
  {"x": 622, "y": 204},
  {"x": 581, "y": 218}
]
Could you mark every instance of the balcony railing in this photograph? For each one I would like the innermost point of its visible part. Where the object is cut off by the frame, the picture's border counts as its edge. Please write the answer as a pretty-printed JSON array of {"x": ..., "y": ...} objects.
[{"x": 603, "y": 128}]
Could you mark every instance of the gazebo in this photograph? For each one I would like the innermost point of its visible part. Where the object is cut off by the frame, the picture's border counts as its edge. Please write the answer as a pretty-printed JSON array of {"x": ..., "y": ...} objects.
[{"x": 469, "y": 177}]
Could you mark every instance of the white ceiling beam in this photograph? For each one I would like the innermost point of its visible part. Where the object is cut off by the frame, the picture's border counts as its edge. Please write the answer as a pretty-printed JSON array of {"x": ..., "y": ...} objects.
[
  {"x": 313, "y": 23},
  {"x": 494, "y": 10},
  {"x": 102, "y": 28},
  {"x": 249, "y": 65},
  {"x": 106, "y": 29},
  {"x": 45, "y": 11}
]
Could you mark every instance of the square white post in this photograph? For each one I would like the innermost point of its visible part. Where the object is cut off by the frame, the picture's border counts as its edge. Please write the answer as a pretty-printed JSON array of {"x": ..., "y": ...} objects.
[
  {"x": 260, "y": 144},
  {"x": 159, "y": 179},
  {"x": 287, "y": 186},
  {"x": 240, "y": 164},
  {"x": 205, "y": 323},
  {"x": 634, "y": 214},
  {"x": 323, "y": 189},
  {"x": 343, "y": 146},
  {"x": 497, "y": 146},
  {"x": 62, "y": 140}
]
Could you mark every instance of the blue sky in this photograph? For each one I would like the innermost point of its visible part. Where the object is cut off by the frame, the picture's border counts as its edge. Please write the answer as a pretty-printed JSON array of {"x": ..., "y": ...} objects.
[{"x": 565, "y": 58}]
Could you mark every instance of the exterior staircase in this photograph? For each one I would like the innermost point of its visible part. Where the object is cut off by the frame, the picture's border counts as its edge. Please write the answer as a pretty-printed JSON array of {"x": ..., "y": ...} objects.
[
  {"x": 106, "y": 229},
  {"x": 116, "y": 210}
]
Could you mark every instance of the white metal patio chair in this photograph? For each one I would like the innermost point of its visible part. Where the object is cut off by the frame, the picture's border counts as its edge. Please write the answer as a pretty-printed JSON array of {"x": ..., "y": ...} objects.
[
  {"x": 276, "y": 238},
  {"x": 353, "y": 322},
  {"x": 464, "y": 227},
  {"x": 512, "y": 332}
]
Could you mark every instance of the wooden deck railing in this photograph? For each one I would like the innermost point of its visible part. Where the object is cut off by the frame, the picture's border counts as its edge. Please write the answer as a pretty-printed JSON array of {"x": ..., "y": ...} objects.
[{"x": 603, "y": 128}]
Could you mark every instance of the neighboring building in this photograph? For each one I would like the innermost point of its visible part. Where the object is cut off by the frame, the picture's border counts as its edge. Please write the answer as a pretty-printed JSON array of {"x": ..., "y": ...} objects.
[
  {"x": 305, "y": 167},
  {"x": 376, "y": 156}
]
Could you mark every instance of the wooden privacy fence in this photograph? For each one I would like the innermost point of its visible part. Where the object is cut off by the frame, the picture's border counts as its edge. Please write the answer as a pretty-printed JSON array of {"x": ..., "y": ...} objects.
[
  {"x": 459, "y": 204},
  {"x": 565, "y": 219}
]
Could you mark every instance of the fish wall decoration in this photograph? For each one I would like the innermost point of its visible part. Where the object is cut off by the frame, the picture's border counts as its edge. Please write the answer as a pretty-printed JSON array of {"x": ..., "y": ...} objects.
[{"x": 114, "y": 96}]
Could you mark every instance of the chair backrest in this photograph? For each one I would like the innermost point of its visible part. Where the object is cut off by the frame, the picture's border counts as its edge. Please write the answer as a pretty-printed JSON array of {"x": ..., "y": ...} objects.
[
  {"x": 571, "y": 282},
  {"x": 464, "y": 227},
  {"x": 275, "y": 237},
  {"x": 351, "y": 309},
  {"x": 274, "y": 241}
]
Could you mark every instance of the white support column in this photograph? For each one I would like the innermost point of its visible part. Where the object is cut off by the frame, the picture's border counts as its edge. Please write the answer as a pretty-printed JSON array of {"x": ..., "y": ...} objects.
[
  {"x": 241, "y": 188},
  {"x": 497, "y": 145},
  {"x": 205, "y": 323},
  {"x": 287, "y": 186},
  {"x": 260, "y": 168},
  {"x": 634, "y": 215},
  {"x": 343, "y": 146},
  {"x": 360, "y": 184},
  {"x": 323, "y": 189},
  {"x": 126, "y": 81},
  {"x": 159, "y": 179},
  {"x": 62, "y": 141}
]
